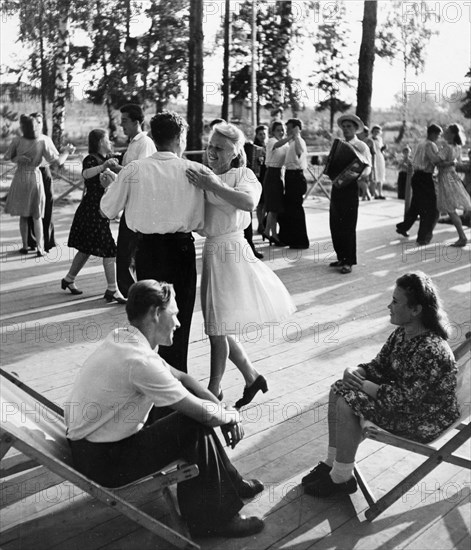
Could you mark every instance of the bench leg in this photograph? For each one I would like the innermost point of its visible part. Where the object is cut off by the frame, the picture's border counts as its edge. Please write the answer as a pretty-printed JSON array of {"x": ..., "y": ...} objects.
[{"x": 177, "y": 521}]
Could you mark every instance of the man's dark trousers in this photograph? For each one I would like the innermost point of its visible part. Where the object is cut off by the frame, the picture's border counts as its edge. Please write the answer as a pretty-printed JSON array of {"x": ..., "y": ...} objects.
[
  {"x": 423, "y": 204},
  {"x": 171, "y": 258}
]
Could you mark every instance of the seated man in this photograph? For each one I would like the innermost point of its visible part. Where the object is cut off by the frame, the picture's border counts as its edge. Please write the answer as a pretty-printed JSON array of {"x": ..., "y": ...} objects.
[{"x": 110, "y": 401}]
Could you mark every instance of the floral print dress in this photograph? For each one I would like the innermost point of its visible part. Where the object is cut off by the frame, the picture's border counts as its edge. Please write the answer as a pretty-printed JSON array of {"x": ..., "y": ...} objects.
[
  {"x": 416, "y": 397},
  {"x": 90, "y": 232}
]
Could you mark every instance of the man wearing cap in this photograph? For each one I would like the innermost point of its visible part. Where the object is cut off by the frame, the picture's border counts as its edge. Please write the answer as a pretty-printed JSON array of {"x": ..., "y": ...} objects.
[
  {"x": 140, "y": 146},
  {"x": 343, "y": 213}
]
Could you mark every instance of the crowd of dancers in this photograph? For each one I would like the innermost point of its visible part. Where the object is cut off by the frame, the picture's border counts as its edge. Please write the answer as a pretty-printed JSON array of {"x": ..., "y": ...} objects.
[{"x": 163, "y": 199}]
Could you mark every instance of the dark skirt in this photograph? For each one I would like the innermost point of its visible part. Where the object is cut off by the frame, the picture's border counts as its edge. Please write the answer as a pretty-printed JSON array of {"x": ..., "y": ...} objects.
[
  {"x": 292, "y": 222},
  {"x": 273, "y": 190}
]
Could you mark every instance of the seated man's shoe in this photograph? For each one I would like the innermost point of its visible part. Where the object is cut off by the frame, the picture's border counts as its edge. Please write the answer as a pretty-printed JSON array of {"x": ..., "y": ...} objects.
[
  {"x": 238, "y": 526},
  {"x": 321, "y": 470},
  {"x": 325, "y": 487},
  {"x": 248, "y": 488}
]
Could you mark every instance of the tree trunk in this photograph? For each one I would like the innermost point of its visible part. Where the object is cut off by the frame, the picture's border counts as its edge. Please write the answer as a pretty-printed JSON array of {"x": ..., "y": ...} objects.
[
  {"x": 60, "y": 91},
  {"x": 366, "y": 61},
  {"x": 226, "y": 80},
  {"x": 45, "y": 129},
  {"x": 195, "y": 77}
]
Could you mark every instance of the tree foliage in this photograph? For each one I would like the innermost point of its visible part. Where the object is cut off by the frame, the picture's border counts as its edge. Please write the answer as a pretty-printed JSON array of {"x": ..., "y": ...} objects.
[
  {"x": 405, "y": 35},
  {"x": 466, "y": 105},
  {"x": 277, "y": 31},
  {"x": 333, "y": 64}
]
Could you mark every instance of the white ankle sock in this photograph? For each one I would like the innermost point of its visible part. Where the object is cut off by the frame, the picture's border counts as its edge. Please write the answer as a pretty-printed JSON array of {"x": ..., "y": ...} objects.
[
  {"x": 342, "y": 472},
  {"x": 331, "y": 452}
]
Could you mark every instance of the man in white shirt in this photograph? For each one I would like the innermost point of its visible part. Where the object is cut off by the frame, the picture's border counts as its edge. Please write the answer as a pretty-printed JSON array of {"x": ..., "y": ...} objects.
[
  {"x": 163, "y": 208},
  {"x": 343, "y": 214},
  {"x": 293, "y": 230},
  {"x": 110, "y": 402},
  {"x": 140, "y": 146}
]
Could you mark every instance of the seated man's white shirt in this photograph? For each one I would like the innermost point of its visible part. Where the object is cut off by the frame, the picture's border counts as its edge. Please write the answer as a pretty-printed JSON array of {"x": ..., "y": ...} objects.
[
  {"x": 116, "y": 388},
  {"x": 140, "y": 147},
  {"x": 157, "y": 195}
]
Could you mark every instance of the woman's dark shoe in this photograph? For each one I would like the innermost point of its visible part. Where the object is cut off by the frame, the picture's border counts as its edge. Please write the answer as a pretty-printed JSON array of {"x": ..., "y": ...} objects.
[
  {"x": 220, "y": 396},
  {"x": 23, "y": 251},
  {"x": 258, "y": 254},
  {"x": 39, "y": 253},
  {"x": 274, "y": 241},
  {"x": 318, "y": 472},
  {"x": 112, "y": 296},
  {"x": 66, "y": 285},
  {"x": 250, "y": 391},
  {"x": 248, "y": 488},
  {"x": 325, "y": 487}
]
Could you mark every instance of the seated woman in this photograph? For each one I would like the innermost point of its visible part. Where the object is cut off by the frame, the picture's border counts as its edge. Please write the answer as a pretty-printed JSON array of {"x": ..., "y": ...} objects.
[{"x": 409, "y": 389}]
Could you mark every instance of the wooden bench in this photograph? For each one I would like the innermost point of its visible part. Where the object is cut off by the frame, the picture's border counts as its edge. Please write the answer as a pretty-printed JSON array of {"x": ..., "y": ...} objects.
[
  {"x": 440, "y": 450},
  {"x": 35, "y": 426}
]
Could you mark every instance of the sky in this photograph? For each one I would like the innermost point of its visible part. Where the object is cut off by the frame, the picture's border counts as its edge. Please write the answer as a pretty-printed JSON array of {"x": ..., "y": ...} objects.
[{"x": 448, "y": 55}]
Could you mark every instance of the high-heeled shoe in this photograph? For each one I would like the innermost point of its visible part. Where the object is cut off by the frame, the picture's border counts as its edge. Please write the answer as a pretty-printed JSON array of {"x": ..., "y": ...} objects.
[
  {"x": 260, "y": 383},
  {"x": 110, "y": 296},
  {"x": 274, "y": 241},
  {"x": 66, "y": 285}
]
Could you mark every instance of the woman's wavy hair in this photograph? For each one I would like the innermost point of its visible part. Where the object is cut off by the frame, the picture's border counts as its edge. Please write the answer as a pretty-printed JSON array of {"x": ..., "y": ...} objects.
[
  {"x": 144, "y": 294},
  {"x": 94, "y": 138},
  {"x": 420, "y": 290},
  {"x": 236, "y": 137}
]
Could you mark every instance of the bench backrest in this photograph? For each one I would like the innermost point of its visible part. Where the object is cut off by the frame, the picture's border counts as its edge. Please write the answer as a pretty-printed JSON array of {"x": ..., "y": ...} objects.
[{"x": 28, "y": 420}]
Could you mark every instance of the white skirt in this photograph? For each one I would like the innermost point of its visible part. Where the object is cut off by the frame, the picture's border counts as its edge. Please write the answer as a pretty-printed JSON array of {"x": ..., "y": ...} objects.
[{"x": 239, "y": 293}]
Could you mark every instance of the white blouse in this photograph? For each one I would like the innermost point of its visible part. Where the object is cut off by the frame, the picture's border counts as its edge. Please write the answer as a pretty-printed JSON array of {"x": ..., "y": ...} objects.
[
  {"x": 275, "y": 157},
  {"x": 221, "y": 217}
]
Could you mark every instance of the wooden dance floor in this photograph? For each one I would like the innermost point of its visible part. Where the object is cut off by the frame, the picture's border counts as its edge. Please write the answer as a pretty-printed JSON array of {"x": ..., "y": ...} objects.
[{"x": 340, "y": 320}]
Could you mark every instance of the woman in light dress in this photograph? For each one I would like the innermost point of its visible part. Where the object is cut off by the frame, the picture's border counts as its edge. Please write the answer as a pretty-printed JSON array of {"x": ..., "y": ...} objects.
[
  {"x": 26, "y": 196},
  {"x": 379, "y": 162},
  {"x": 451, "y": 193},
  {"x": 239, "y": 293}
]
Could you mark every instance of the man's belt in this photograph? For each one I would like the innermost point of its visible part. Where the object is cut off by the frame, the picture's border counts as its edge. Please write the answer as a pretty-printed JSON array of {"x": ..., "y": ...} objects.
[{"x": 164, "y": 236}]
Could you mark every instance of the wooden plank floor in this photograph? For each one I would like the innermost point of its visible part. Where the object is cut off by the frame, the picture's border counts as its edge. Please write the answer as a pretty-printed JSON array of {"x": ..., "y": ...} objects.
[{"x": 341, "y": 320}]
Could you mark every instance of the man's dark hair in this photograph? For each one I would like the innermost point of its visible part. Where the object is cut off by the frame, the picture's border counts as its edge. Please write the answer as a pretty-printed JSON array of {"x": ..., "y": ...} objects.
[
  {"x": 295, "y": 122},
  {"x": 167, "y": 126},
  {"x": 145, "y": 294},
  {"x": 134, "y": 111},
  {"x": 434, "y": 129}
]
